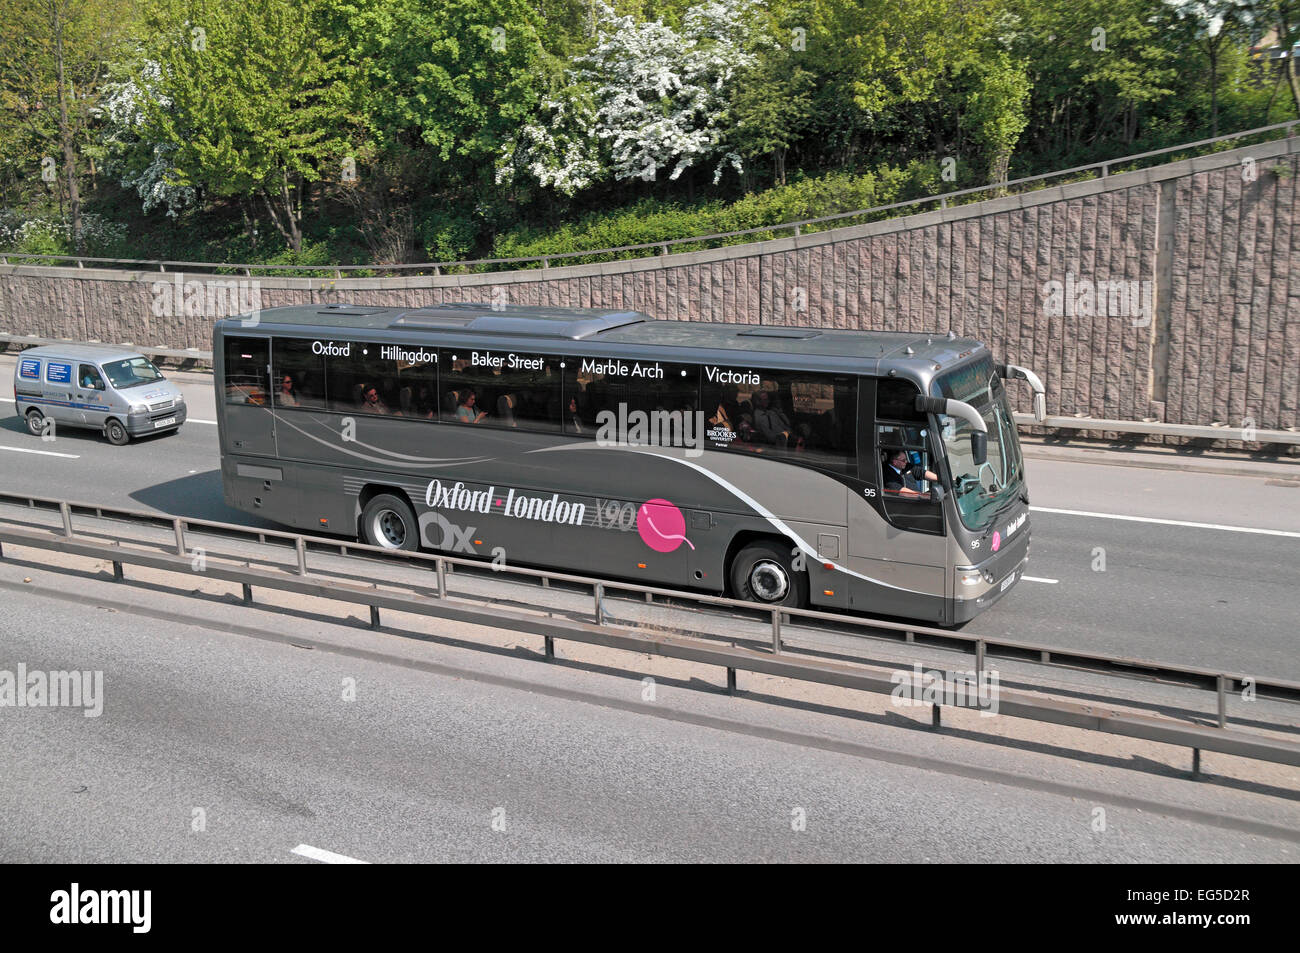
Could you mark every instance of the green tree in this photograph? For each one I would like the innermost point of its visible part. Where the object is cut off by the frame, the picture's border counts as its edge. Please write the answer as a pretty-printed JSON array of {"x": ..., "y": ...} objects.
[
  {"x": 245, "y": 95},
  {"x": 53, "y": 57}
]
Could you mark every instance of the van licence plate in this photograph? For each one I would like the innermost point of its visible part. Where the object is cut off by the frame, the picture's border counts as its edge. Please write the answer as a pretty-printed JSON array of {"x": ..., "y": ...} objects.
[
  {"x": 1006, "y": 583},
  {"x": 165, "y": 422}
]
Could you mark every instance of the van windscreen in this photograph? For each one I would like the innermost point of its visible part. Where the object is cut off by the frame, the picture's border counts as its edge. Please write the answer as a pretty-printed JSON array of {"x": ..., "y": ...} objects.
[{"x": 131, "y": 372}]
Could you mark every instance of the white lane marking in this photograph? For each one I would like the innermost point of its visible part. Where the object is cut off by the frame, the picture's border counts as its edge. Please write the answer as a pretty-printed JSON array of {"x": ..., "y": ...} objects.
[
  {"x": 324, "y": 856},
  {"x": 44, "y": 453},
  {"x": 192, "y": 420},
  {"x": 1152, "y": 519},
  {"x": 1050, "y": 582}
]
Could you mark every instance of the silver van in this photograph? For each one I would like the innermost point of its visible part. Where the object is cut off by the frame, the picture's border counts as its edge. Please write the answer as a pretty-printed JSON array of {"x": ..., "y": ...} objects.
[{"x": 112, "y": 389}]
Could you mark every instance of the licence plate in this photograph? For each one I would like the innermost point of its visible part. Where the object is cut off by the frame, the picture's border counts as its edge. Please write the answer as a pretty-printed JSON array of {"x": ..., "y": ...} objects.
[
  {"x": 1006, "y": 583},
  {"x": 165, "y": 422}
]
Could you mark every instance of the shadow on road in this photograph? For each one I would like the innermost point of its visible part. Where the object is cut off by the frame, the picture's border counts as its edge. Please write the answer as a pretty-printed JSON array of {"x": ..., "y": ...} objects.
[{"x": 197, "y": 496}]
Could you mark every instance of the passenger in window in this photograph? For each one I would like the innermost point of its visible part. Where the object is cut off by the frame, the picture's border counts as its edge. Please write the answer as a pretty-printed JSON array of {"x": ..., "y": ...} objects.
[
  {"x": 287, "y": 396},
  {"x": 468, "y": 412},
  {"x": 901, "y": 478},
  {"x": 506, "y": 409},
  {"x": 772, "y": 424},
  {"x": 572, "y": 418},
  {"x": 423, "y": 406},
  {"x": 371, "y": 404}
]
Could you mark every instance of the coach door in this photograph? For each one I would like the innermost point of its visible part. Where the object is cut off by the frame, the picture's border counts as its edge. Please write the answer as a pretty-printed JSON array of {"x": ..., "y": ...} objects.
[{"x": 250, "y": 425}]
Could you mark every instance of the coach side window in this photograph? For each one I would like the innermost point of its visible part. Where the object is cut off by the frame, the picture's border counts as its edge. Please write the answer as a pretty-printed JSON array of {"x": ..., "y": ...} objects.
[
  {"x": 381, "y": 380},
  {"x": 647, "y": 402},
  {"x": 246, "y": 360},
  {"x": 298, "y": 375},
  {"x": 906, "y": 464},
  {"x": 510, "y": 389},
  {"x": 799, "y": 416}
]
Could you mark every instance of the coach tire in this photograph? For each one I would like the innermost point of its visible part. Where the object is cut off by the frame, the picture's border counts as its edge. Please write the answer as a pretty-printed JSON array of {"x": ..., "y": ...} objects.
[
  {"x": 764, "y": 573},
  {"x": 35, "y": 422},
  {"x": 116, "y": 433},
  {"x": 389, "y": 521}
]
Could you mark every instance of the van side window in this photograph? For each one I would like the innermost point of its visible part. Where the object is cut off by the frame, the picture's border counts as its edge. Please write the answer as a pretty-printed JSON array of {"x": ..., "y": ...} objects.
[{"x": 89, "y": 378}]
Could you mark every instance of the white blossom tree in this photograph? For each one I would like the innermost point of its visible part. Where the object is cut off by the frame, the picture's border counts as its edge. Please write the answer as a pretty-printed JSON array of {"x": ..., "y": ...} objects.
[
  {"x": 145, "y": 166},
  {"x": 647, "y": 100}
]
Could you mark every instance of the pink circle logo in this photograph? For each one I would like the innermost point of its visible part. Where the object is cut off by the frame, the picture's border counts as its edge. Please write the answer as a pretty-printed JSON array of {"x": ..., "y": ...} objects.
[
  {"x": 997, "y": 540},
  {"x": 661, "y": 526}
]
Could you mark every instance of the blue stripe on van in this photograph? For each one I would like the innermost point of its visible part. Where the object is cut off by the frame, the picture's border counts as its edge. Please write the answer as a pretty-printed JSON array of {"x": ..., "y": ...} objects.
[{"x": 61, "y": 403}]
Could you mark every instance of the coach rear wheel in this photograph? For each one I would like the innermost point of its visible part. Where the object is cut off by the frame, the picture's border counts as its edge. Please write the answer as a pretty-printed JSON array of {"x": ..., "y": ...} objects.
[
  {"x": 765, "y": 573},
  {"x": 389, "y": 521}
]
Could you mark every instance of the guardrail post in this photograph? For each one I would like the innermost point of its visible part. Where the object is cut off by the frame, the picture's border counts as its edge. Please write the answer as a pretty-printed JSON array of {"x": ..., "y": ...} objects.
[
  {"x": 1223, "y": 701},
  {"x": 300, "y": 547},
  {"x": 550, "y": 647},
  {"x": 118, "y": 574},
  {"x": 179, "y": 525},
  {"x": 66, "y": 512},
  {"x": 374, "y": 617},
  {"x": 442, "y": 579},
  {"x": 731, "y": 681},
  {"x": 598, "y": 592},
  {"x": 1196, "y": 762},
  {"x": 248, "y": 594},
  {"x": 776, "y": 631}
]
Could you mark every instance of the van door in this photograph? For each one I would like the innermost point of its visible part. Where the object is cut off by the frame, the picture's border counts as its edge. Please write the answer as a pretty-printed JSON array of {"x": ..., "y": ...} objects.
[
  {"x": 93, "y": 395},
  {"x": 58, "y": 392},
  {"x": 246, "y": 395}
]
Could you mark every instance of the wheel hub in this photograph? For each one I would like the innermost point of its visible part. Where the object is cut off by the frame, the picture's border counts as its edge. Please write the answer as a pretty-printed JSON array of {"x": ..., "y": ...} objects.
[{"x": 768, "y": 581}]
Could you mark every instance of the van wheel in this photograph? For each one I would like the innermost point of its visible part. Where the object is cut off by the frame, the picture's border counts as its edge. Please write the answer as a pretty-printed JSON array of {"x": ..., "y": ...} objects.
[
  {"x": 765, "y": 573},
  {"x": 116, "y": 433},
  {"x": 389, "y": 521},
  {"x": 35, "y": 423}
]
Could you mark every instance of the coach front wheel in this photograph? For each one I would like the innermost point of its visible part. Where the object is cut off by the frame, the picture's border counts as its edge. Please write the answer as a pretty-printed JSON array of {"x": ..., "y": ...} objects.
[{"x": 764, "y": 573}]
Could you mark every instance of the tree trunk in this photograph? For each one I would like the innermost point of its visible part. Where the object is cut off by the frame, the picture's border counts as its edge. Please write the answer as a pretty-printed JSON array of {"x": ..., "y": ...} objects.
[
  {"x": 66, "y": 137},
  {"x": 1214, "y": 88},
  {"x": 1293, "y": 80}
]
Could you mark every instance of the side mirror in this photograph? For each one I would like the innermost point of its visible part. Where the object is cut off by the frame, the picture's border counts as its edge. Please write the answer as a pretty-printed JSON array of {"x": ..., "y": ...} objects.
[
  {"x": 979, "y": 447},
  {"x": 936, "y": 492}
]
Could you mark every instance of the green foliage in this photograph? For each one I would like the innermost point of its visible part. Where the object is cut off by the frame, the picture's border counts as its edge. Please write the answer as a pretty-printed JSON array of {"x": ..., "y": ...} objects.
[
  {"x": 372, "y": 131},
  {"x": 648, "y": 221}
]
